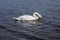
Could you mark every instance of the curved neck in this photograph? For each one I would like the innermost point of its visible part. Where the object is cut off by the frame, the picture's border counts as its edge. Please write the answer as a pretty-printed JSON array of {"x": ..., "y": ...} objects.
[{"x": 37, "y": 15}]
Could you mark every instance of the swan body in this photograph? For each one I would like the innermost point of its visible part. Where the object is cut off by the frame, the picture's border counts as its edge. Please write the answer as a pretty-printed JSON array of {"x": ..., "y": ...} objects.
[{"x": 35, "y": 16}]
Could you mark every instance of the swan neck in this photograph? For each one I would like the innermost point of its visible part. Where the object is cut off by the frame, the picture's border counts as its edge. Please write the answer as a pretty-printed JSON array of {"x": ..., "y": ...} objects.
[{"x": 37, "y": 15}]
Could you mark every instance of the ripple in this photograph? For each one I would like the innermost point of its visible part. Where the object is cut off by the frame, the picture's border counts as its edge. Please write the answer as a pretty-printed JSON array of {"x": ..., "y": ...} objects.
[
  {"x": 2, "y": 27},
  {"x": 47, "y": 29}
]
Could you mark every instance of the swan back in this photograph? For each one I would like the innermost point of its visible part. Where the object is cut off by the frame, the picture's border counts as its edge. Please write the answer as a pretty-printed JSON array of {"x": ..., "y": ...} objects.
[{"x": 37, "y": 15}]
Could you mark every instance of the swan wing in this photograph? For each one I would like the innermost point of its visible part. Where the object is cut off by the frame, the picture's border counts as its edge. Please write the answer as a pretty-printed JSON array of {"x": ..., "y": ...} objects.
[{"x": 27, "y": 17}]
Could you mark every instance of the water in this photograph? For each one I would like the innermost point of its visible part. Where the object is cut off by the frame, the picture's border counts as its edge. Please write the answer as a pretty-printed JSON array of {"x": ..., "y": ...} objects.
[{"x": 46, "y": 29}]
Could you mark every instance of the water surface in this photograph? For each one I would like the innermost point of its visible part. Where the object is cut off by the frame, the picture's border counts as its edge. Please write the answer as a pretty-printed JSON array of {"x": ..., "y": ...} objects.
[{"x": 46, "y": 29}]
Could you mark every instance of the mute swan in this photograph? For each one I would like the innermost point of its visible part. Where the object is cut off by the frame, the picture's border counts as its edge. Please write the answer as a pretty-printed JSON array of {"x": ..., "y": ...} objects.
[{"x": 35, "y": 16}]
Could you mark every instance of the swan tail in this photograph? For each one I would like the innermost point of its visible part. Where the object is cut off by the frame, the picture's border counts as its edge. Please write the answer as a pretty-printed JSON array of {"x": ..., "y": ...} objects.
[{"x": 15, "y": 19}]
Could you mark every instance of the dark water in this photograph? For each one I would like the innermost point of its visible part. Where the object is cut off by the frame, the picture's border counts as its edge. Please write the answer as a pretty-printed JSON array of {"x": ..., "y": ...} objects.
[{"x": 47, "y": 29}]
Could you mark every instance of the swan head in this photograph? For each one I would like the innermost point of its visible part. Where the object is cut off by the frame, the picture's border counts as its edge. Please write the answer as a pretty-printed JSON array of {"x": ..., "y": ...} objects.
[{"x": 37, "y": 15}]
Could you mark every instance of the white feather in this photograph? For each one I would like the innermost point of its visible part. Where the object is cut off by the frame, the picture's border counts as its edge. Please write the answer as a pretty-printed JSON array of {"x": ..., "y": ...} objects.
[{"x": 35, "y": 16}]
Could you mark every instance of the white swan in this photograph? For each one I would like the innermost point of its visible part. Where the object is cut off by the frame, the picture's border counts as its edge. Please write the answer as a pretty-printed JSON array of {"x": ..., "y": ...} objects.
[{"x": 35, "y": 16}]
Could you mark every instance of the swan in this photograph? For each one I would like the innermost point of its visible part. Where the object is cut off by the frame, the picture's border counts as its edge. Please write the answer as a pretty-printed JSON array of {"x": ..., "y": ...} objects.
[{"x": 35, "y": 16}]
